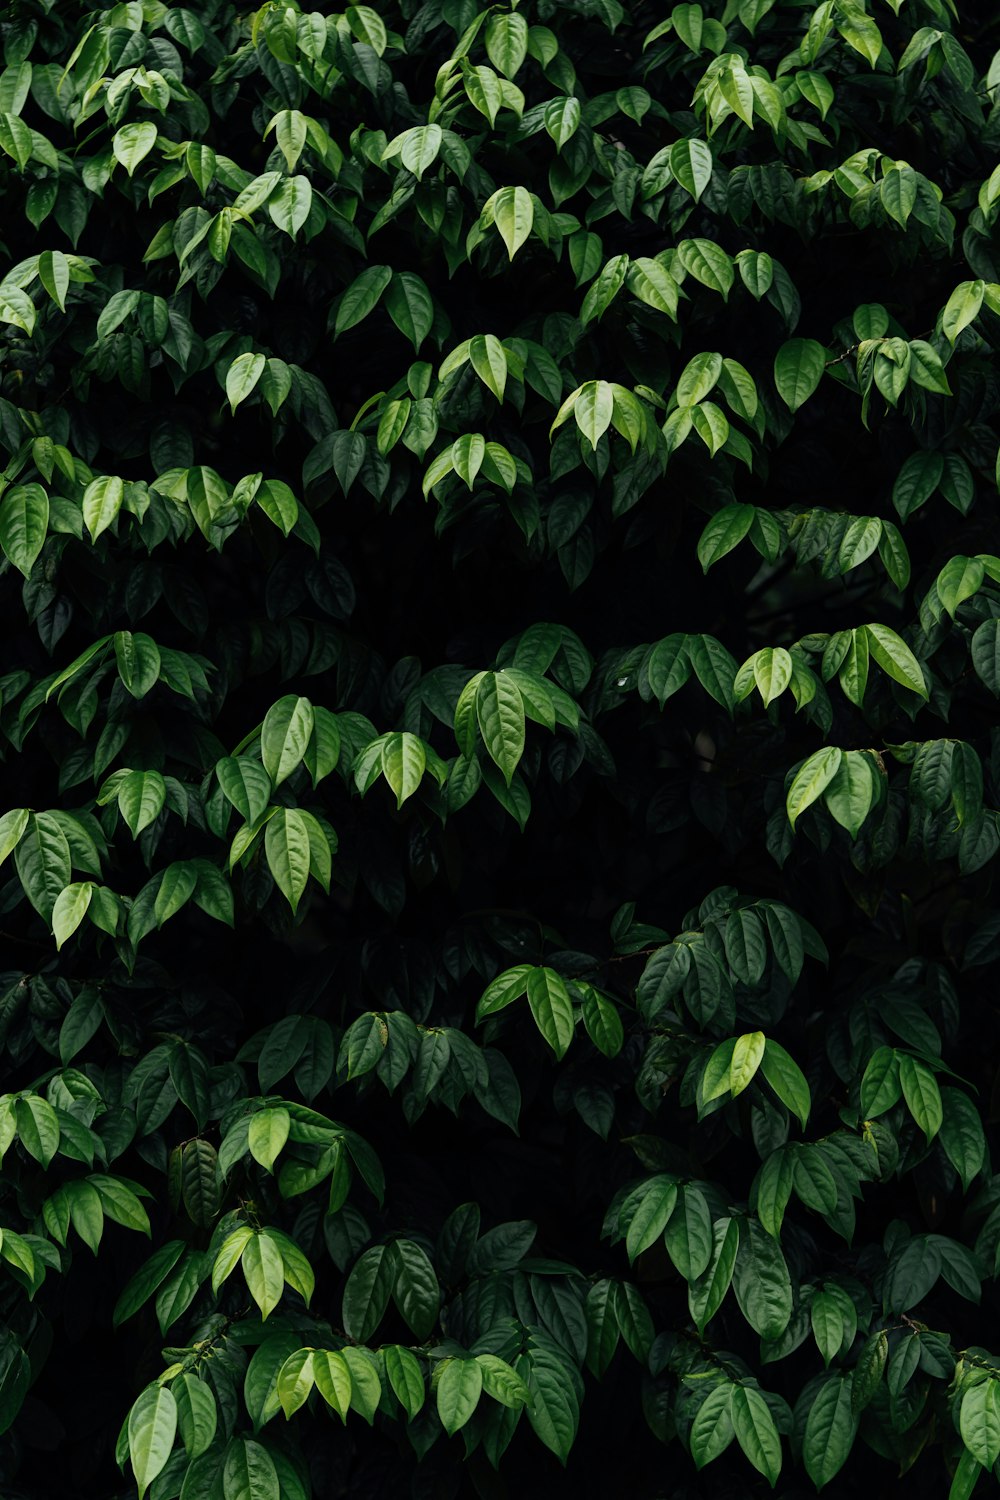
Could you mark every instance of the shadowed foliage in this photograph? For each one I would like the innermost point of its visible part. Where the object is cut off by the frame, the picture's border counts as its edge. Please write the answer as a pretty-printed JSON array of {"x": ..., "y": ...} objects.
[{"x": 498, "y": 711}]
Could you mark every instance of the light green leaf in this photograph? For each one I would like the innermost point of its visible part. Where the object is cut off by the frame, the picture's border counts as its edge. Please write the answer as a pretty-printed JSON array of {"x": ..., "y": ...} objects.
[
  {"x": 895, "y": 658},
  {"x": 285, "y": 735},
  {"x": 798, "y": 369},
  {"x": 24, "y": 522},
  {"x": 962, "y": 308},
  {"x": 332, "y": 1375},
  {"x": 922, "y": 1095},
  {"x": 133, "y": 143},
  {"x": 102, "y": 500},
  {"x": 507, "y": 42},
  {"x": 267, "y": 1134},
  {"x": 70, "y": 910},
  {"x": 979, "y": 1421},
  {"x": 500, "y": 713},
  {"x": 488, "y": 359},
  {"x": 593, "y": 410},
  {"x": 513, "y": 215},
  {"x": 152, "y": 1426},
  {"x": 290, "y": 203},
  {"x": 242, "y": 376},
  {"x": 288, "y": 849},
  {"x": 748, "y": 1053},
  {"x": 552, "y": 1008},
  {"x": 812, "y": 780},
  {"x": 264, "y": 1271},
  {"x": 458, "y": 1392}
]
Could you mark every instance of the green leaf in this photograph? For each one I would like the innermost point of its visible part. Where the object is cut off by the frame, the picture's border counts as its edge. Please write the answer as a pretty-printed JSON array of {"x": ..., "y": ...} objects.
[
  {"x": 416, "y": 1291},
  {"x": 467, "y": 454},
  {"x": 361, "y": 297},
  {"x": 242, "y": 376},
  {"x": 603, "y": 1023},
  {"x": 562, "y": 119},
  {"x": 406, "y": 1377},
  {"x": 70, "y": 909},
  {"x": 755, "y": 1432},
  {"x": 962, "y": 308},
  {"x": 403, "y": 762},
  {"x": 249, "y": 1473},
  {"x": 288, "y": 850},
  {"x": 458, "y": 1392},
  {"x": 985, "y": 650},
  {"x": 651, "y": 1215},
  {"x": 141, "y": 797},
  {"x": 922, "y": 1095},
  {"x": 152, "y": 1425},
  {"x": 24, "y": 522},
  {"x": 966, "y": 1475},
  {"x": 504, "y": 990},
  {"x": 367, "y": 1292},
  {"x": 139, "y": 661},
  {"x": 962, "y": 1135},
  {"x": 295, "y": 1381},
  {"x": 895, "y": 659},
  {"x": 708, "y": 263},
  {"x": 197, "y": 1413},
  {"x": 410, "y": 306},
  {"x": 264, "y": 1271},
  {"x": 829, "y": 1430},
  {"x": 44, "y": 862},
  {"x": 691, "y": 165},
  {"x": 420, "y": 149},
  {"x": 761, "y": 1282},
  {"x": 880, "y": 1084},
  {"x": 798, "y": 369},
  {"x": 146, "y": 1280},
  {"x": 712, "y": 1429},
  {"x": 594, "y": 409},
  {"x": 725, "y": 530},
  {"x": 605, "y": 289},
  {"x": 500, "y": 713},
  {"x": 332, "y": 1375},
  {"x": 246, "y": 785},
  {"x": 287, "y": 729},
  {"x": 786, "y": 1079},
  {"x": 488, "y": 359},
  {"x": 133, "y": 143},
  {"x": 707, "y": 1293},
  {"x": 268, "y": 1132},
  {"x": 867, "y": 1374},
  {"x": 552, "y": 1008},
  {"x": 958, "y": 580},
  {"x": 513, "y": 215},
  {"x": 812, "y": 780},
  {"x": 554, "y": 1410},
  {"x": 289, "y": 204},
  {"x": 507, "y": 42},
  {"x": 688, "y": 1233},
  {"x": 851, "y": 791},
  {"x": 748, "y": 1052},
  {"x": 502, "y": 1383},
  {"x": 102, "y": 500}
]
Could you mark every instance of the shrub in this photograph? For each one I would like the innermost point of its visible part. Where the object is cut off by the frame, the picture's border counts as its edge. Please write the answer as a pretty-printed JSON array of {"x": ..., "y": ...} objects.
[{"x": 499, "y": 715}]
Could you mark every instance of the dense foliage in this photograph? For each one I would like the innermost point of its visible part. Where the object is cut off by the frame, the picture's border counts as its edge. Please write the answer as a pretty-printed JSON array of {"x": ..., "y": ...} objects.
[{"x": 499, "y": 718}]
